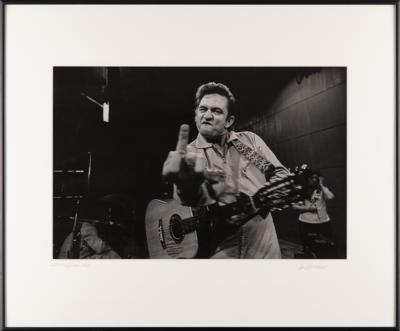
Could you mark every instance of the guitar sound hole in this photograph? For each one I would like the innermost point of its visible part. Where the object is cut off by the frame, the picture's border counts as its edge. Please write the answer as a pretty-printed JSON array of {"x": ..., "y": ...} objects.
[{"x": 175, "y": 228}]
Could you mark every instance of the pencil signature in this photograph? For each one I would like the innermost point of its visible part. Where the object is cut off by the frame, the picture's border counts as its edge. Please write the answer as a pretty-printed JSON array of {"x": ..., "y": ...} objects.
[{"x": 312, "y": 266}]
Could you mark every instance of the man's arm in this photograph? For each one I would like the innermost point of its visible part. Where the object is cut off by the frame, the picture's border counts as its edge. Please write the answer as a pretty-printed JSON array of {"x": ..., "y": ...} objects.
[
  {"x": 185, "y": 169},
  {"x": 303, "y": 208},
  {"x": 267, "y": 153},
  {"x": 191, "y": 197},
  {"x": 328, "y": 193}
]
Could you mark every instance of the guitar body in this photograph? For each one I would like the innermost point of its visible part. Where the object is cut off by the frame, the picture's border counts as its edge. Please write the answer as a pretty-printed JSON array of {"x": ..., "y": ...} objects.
[{"x": 160, "y": 241}]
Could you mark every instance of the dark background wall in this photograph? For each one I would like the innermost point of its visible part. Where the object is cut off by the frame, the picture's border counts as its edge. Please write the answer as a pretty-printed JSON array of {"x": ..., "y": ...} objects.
[
  {"x": 300, "y": 112},
  {"x": 306, "y": 123}
]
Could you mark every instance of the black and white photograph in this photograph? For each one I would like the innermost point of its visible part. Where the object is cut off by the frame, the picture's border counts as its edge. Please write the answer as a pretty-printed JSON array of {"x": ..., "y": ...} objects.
[{"x": 199, "y": 162}]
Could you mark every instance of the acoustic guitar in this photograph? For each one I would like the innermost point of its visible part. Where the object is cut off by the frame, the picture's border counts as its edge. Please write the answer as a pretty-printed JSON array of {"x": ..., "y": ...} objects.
[{"x": 176, "y": 231}]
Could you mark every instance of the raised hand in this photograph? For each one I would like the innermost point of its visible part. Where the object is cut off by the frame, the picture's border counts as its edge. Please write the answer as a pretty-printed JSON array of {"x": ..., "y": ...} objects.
[
  {"x": 172, "y": 164},
  {"x": 184, "y": 167},
  {"x": 183, "y": 139}
]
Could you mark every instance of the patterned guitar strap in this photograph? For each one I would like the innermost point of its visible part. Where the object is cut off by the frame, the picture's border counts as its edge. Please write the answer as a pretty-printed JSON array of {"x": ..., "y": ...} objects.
[{"x": 266, "y": 167}]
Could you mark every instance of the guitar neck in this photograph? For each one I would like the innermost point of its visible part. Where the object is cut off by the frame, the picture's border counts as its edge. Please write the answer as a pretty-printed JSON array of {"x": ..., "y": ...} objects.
[
  {"x": 210, "y": 211},
  {"x": 277, "y": 194}
]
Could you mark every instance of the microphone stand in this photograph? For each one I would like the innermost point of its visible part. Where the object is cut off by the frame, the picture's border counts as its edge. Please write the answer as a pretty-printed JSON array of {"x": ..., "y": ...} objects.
[{"x": 76, "y": 236}]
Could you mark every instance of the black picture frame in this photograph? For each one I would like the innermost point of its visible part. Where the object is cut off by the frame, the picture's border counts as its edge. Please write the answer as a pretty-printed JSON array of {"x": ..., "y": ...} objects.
[{"x": 3, "y": 9}]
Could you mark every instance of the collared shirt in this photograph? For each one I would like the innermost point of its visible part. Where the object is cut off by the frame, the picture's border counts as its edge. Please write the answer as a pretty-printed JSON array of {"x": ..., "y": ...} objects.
[
  {"x": 257, "y": 238},
  {"x": 318, "y": 200}
]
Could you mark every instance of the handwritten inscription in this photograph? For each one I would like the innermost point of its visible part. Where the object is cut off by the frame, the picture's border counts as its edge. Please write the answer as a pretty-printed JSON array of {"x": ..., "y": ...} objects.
[{"x": 70, "y": 265}]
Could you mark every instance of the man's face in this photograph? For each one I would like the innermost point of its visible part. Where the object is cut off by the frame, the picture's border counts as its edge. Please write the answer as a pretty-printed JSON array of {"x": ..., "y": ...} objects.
[{"x": 211, "y": 117}]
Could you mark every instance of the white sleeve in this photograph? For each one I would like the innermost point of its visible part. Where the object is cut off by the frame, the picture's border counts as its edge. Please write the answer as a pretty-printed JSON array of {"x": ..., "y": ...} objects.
[{"x": 328, "y": 194}]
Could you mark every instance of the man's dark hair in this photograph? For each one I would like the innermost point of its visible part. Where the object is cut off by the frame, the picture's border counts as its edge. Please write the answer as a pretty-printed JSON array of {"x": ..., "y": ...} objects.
[
  {"x": 310, "y": 186},
  {"x": 216, "y": 88},
  {"x": 311, "y": 172}
]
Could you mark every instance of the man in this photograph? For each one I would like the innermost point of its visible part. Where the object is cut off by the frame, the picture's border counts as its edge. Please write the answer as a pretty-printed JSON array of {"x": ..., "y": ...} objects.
[
  {"x": 101, "y": 229},
  {"x": 314, "y": 221},
  {"x": 91, "y": 245},
  {"x": 214, "y": 167}
]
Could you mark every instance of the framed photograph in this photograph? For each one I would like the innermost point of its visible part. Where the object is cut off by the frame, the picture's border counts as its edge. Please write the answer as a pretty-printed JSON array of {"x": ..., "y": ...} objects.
[{"x": 200, "y": 165}]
